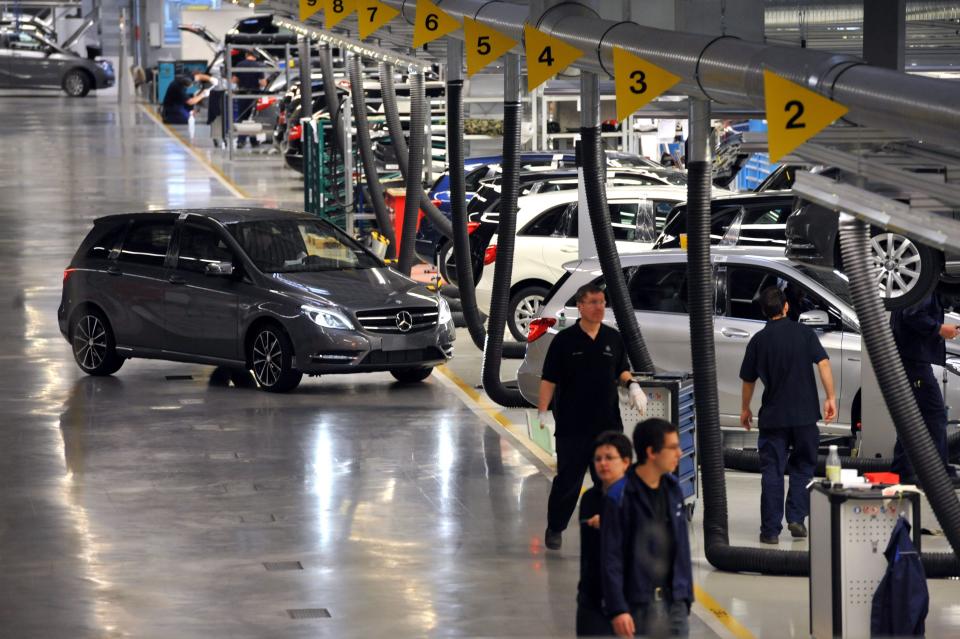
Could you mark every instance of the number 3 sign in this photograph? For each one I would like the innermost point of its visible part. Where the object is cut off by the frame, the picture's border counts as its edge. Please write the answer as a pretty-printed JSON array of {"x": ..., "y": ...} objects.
[{"x": 794, "y": 114}]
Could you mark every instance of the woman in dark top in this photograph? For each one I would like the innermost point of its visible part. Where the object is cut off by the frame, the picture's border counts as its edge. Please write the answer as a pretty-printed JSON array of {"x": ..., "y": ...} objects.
[
  {"x": 177, "y": 105},
  {"x": 612, "y": 455}
]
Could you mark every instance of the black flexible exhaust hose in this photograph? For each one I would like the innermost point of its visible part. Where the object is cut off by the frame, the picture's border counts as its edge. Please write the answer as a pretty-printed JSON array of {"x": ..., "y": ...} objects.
[
  {"x": 748, "y": 461},
  {"x": 414, "y": 183},
  {"x": 366, "y": 155},
  {"x": 331, "y": 98},
  {"x": 700, "y": 289},
  {"x": 503, "y": 267},
  {"x": 461, "y": 240},
  {"x": 594, "y": 164},
  {"x": 897, "y": 394},
  {"x": 392, "y": 113}
]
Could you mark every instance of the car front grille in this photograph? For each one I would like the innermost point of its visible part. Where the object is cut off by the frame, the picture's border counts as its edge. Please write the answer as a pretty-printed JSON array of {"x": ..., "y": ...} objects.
[
  {"x": 398, "y": 321},
  {"x": 412, "y": 356}
]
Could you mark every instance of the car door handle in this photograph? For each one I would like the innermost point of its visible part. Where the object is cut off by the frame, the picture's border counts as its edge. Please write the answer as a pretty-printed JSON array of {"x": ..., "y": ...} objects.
[
  {"x": 568, "y": 250},
  {"x": 176, "y": 279},
  {"x": 734, "y": 332},
  {"x": 113, "y": 270}
]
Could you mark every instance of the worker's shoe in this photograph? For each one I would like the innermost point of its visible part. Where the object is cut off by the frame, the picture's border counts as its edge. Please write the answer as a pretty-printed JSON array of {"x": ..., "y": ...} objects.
[
  {"x": 552, "y": 539},
  {"x": 798, "y": 530},
  {"x": 769, "y": 539}
]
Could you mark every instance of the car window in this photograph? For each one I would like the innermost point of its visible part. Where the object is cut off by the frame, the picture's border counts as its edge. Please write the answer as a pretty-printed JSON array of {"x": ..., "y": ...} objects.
[
  {"x": 472, "y": 179},
  {"x": 105, "y": 238},
  {"x": 744, "y": 285},
  {"x": 547, "y": 223},
  {"x": 20, "y": 41},
  {"x": 659, "y": 288},
  {"x": 146, "y": 243},
  {"x": 623, "y": 215},
  {"x": 296, "y": 246},
  {"x": 200, "y": 246}
]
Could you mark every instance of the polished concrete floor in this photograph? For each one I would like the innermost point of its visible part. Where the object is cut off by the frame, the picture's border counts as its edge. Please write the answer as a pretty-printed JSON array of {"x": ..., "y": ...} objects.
[{"x": 162, "y": 502}]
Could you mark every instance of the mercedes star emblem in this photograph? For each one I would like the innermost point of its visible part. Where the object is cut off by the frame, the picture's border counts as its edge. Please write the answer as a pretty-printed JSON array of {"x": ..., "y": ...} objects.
[{"x": 404, "y": 321}]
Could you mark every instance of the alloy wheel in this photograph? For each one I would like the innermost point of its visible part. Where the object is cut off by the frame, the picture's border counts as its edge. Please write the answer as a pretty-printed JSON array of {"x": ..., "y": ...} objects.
[
  {"x": 526, "y": 311},
  {"x": 73, "y": 84},
  {"x": 267, "y": 358},
  {"x": 897, "y": 262},
  {"x": 90, "y": 342}
]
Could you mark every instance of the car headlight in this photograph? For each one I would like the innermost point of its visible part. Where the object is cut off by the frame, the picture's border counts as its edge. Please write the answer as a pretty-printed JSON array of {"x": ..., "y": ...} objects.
[
  {"x": 327, "y": 318},
  {"x": 443, "y": 309}
]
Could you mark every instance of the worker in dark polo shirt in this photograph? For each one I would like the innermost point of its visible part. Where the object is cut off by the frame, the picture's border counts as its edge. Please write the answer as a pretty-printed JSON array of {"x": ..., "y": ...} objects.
[
  {"x": 580, "y": 374},
  {"x": 782, "y": 355}
]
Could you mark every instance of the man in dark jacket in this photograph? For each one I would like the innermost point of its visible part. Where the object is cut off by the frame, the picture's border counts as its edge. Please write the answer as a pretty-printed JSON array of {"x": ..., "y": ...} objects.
[
  {"x": 645, "y": 560},
  {"x": 920, "y": 333}
]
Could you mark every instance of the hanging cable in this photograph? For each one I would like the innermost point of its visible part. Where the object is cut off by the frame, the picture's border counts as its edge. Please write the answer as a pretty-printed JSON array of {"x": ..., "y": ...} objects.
[
  {"x": 358, "y": 96},
  {"x": 507, "y": 232},
  {"x": 414, "y": 181},
  {"x": 392, "y": 113}
]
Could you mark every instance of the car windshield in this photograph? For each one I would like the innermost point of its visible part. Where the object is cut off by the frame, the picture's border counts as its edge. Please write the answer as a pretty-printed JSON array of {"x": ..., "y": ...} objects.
[
  {"x": 834, "y": 281},
  {"x": 297, "y": 246}
]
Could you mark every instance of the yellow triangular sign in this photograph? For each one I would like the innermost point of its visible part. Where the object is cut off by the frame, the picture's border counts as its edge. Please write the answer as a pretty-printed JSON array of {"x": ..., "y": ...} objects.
[
  {"x": 794, "y": 114},
  {"x": 308, "y": 8},
  {"x": 483, "y": 44},
  {"x": 431, "y": 23},
  {"x": 336, "y": 10},
  {"x": 546, "y": 56},
  {"x": 373, "y": 14},
  {"x": 637, "y": 81}
]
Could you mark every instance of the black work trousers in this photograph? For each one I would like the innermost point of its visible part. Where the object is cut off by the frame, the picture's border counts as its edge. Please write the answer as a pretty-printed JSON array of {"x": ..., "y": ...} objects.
[
  {"x": 574, "y": 458},
  {"x": 926, "y": 389}
]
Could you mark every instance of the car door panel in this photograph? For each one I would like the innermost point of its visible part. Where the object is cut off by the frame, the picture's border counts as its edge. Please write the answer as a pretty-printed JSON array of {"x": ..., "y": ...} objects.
[{"x": 202, "y": 309}]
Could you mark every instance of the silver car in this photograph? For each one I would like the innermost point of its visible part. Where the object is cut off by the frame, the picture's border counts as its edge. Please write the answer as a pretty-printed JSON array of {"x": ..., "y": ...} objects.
[
  {"x": 657, "y": 282},
  {"x": 27, "y": 59}
]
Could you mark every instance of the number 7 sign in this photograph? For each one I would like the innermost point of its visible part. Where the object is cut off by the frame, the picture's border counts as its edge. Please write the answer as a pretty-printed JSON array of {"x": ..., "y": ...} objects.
[{"x": 794, "y": 114}]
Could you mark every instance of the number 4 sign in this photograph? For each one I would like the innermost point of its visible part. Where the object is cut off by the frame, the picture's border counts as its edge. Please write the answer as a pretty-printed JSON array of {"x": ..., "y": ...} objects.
[
  {"x": 794, "y": 114},
  {"x": 546, "y": 56}
]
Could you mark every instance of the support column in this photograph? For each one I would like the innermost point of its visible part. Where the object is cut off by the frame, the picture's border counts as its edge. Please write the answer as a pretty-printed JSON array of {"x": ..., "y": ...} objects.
[{"x": 885, "y": 33}]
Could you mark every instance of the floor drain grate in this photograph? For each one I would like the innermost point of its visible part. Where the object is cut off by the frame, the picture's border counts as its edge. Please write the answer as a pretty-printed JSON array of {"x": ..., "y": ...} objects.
[
  {"x": 283, "y": 565},
  {"x": 179, "y": 378},
  {"x": 309, "y": 613}
]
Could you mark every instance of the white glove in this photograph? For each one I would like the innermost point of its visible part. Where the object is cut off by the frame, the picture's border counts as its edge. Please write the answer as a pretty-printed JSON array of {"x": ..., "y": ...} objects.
[
  {"x": 637, "y": 397},
  {"x": 542, "y": 419}
]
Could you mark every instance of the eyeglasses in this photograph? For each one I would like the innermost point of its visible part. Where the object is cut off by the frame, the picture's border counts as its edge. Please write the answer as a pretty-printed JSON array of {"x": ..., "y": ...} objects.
[{"x": 599, "y": 458}]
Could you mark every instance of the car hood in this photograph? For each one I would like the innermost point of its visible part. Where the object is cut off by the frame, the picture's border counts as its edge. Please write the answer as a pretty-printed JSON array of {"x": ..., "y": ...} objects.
[{"x": 357, "y": 289}]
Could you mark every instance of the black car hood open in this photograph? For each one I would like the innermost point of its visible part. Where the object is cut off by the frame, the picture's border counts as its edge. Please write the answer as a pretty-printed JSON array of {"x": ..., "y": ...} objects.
[{"x": 358, "y": 289}]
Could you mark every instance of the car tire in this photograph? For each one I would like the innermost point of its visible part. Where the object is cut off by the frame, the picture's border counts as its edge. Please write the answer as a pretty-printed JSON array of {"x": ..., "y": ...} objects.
[
  {"x": 524, "y": 306},
  {"x": 76, "y": 83},
  {"x": 906, "y": 271},
  {"x": 94, "y": 347},
  {"x": 448, "y": 267},
  {"x": 271, "y": 360},
  {"x": 411, "y": 375}
]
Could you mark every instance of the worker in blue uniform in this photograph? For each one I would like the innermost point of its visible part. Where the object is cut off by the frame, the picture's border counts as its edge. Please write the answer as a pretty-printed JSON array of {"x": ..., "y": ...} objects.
[
  {"x": 782, "y": 355},
  {"x": 920, "y": 333}
]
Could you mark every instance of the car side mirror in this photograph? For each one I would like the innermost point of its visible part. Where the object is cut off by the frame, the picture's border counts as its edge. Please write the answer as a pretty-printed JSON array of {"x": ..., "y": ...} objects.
[
  {"x": 218, "y": 268},
  {"x": 815, "y": 319}
]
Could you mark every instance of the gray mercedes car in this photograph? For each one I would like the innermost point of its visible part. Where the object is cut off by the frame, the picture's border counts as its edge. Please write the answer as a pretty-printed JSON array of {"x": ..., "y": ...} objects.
[
  {"x": 27, "y": 59},
  {"x": 279, "y": 293}
]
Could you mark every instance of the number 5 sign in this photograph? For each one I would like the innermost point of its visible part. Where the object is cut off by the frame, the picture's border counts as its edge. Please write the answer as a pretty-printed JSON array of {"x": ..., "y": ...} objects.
[
  {"x": 483, "y": 45},
  {"x": 794, "y": 114}
]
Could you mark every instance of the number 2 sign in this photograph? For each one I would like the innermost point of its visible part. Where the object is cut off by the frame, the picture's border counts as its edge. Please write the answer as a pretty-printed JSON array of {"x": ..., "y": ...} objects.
[{"x": 794, "y": 114}]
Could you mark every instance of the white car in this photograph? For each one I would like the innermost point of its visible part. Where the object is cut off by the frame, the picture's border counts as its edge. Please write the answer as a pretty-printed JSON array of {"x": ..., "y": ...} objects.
[
  {"x": 657, "y": 283},
  {"x": 547, "y": 238}
]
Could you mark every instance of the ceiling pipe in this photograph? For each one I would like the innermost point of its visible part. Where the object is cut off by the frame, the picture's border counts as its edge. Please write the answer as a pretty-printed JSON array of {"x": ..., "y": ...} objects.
[
  {"x": 729, "y": 71},
  {"x": 820, "y": 14}
]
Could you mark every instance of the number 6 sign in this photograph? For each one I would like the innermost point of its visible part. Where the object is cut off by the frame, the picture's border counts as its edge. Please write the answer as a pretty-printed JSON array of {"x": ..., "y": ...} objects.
[{"x": 794, "y": 114}]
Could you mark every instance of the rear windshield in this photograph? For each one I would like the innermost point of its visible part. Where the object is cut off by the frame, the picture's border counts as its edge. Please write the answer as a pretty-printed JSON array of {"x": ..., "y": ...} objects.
[{"x": 297, "y": 246}]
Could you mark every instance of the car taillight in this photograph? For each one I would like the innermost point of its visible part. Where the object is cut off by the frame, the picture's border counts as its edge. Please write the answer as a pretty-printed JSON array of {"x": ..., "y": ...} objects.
[
  {"x": 538, "y": 328},
  {"x": 67, "y": 272},
  {"x": 472, "y": 226},
  {"x": 490, "y": 255},
  {"x": 296, "y": 132},
  {"x": 265, "y": 103}
]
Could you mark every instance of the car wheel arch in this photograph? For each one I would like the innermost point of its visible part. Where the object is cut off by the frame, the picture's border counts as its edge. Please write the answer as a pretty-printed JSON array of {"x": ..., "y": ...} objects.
[
  {"x": 91, "y": 80},
  {"x": 256, "y": 325},
  {"x": 85, "y": 307},
  {"x": 529, "y": 282}
]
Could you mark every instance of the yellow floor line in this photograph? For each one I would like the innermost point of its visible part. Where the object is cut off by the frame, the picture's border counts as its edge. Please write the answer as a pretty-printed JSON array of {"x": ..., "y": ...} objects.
[
  {"x": 481, "y": 405},
  {"x": 220, "y": 175},
  {"x": 736, "y": 628}
]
